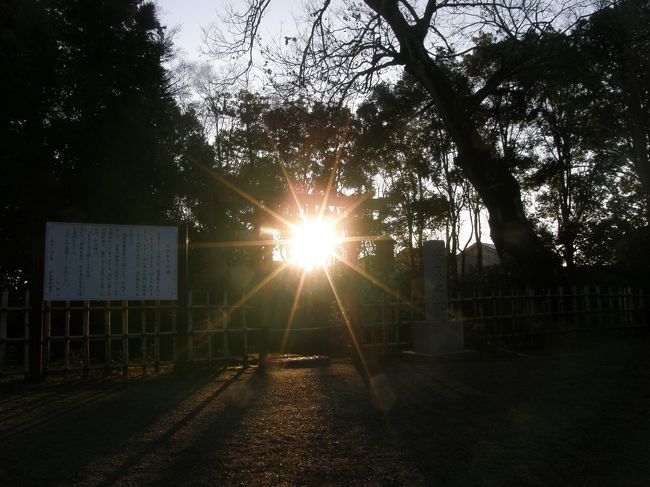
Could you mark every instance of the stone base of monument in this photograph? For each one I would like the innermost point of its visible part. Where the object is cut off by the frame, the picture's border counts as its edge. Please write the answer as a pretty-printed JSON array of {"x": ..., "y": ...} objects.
[{"x": 435, "y": 338}]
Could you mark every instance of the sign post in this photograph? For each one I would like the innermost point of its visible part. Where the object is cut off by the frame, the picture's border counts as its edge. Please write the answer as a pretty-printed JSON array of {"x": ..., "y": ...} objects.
[
  {"x": 99, "y": 262},
  {"x": 181, "y": 302},
  {"x": 36, "y": 373}
]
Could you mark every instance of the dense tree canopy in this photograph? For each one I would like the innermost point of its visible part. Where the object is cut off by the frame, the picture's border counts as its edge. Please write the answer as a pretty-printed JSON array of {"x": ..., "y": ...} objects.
[
  {"x": 546, "y": 98},
  {"x": 90, "y": 130},
  {"x": 542, "y": 125}
]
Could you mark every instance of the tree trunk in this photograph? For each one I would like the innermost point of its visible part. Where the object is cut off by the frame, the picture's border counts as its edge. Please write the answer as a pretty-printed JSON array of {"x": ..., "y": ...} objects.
[
  {"x": 512, "y": 233},
  {"x": 477, "y": 235}
]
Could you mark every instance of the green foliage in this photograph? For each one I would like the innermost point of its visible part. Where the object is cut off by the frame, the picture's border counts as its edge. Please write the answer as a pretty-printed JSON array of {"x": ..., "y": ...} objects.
[
  {"x": 562, "y": 119},
  {"x": 90, "y": 131}
]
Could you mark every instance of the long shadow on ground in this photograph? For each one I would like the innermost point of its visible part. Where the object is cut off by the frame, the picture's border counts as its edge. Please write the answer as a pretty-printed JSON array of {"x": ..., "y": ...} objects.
[
  {"x": 564, "y": 416},
  {"x": 572, "y": 418},
  {"x": 64, "y": 431}
]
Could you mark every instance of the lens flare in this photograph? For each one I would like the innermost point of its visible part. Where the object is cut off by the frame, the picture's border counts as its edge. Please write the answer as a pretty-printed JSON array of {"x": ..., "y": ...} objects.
[{"x": 313, "y": 244}]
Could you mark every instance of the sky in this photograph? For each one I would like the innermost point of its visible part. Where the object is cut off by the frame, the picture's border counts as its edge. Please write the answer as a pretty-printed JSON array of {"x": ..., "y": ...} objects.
[{"x": 190, "y": 16}]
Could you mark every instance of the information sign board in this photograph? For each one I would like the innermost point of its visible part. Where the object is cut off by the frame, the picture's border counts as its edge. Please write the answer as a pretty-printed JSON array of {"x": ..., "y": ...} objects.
[{"x": 110, "y": 262}]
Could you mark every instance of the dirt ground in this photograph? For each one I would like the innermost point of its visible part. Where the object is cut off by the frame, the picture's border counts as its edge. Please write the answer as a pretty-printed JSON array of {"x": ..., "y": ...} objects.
[{"x": 572, "y": 414}]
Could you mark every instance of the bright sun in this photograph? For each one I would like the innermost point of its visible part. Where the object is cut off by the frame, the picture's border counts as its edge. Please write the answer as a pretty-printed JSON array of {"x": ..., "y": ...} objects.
[{"x": 312, "y": 244}]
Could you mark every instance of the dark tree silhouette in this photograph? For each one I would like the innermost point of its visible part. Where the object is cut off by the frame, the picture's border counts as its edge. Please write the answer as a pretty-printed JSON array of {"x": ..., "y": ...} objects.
[
  {"x": 374, "y": 35},
  {"x": 616, "y": 44},
  {"x": 90, "y": 131}
]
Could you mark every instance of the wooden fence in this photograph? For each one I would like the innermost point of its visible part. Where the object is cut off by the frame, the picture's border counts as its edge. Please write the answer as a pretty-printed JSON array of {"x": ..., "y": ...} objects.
[
  {"x": 502, "y": 315},
  {"x": 387, "y": 325},
  {"x": 14, "y": 333},
  {"x": 217, "y": 330},
  {"x": 108, "y": 335},
  {"x": 506, "y": 314},
  {"x": 118, "y": 335}
]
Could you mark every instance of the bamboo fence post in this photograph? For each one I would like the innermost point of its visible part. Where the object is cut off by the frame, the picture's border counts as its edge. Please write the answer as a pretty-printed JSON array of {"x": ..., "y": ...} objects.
[
  {"x": 210, "y": 325},
  {"x": 610, "y": 302},
  {"x": 560, "y": 309},
  {"x": 66, "y": 336},
  {"x": 143, "y": 334},
  {"x": 529, "y": 309},
  {"x": 576, "y": 318},
  {"x": 47, "y": 335},
  {"x": 541, "y": 310},
  {"x": 156, "y": 338},
  {"x": 3, "y": 328},
  {"x": 245, "y": 331},
  {"x": 175, "y": 334},
  {"x": 619, "y": 307},
  {"x": 642, "y": 307},
  {"x": 498, "y": 306},
  {"x": 86, "y": 338},
  {"x": 489, "y": 330},
  {"x": 397, "y": 317},
  {"x": 487, "y": 302},
  {"x": 125, "y": 337},
  {"x": 384, "y": 324},
  {"x": 190, "y": 326},
  {"x": 631, "y": 308},
  {"x": 514, "y": 322},
  {"x": 108, "y": 359},
  {"x": 586, "y": 290},
  {"x": 599, "y": 307},
  {"x": 474, "y": 304},
  {"x": 26, "y": 336},
  {"x": 226, "y": 323}
]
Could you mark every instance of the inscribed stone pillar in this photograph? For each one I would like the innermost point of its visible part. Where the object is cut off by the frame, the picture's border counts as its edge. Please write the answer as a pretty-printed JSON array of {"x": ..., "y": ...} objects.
[
  {"x": 436, "y": 334},
  {"x": 435, "y": 281}
]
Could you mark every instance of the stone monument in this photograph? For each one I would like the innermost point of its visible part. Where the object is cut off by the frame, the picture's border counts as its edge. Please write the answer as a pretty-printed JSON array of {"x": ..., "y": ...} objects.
[{"x": 436, "y": 334}]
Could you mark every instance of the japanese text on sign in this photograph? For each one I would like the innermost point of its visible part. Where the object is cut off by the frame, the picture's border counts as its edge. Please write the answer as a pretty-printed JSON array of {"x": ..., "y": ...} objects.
[{"x": 104, "y": 262}]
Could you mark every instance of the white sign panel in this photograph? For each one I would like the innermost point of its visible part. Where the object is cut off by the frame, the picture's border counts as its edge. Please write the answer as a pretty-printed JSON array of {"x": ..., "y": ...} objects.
[{"x": 103, "y": 262}]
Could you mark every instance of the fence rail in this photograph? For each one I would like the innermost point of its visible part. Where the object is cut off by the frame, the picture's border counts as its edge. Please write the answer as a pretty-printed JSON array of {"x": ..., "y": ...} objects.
[
  {"x": 217, "y": 331},
  {"x": 108, "y": 335},
  {"x": 14, "y": 333},
  {"x": 503, "y": 314},
  {"x": 112, "y": 335}
]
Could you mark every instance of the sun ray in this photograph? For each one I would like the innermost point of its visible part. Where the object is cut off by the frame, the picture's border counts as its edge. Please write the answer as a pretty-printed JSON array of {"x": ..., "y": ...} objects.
[
  {"x": 292, "y": 313},
  {"x": 337, "y": 159},
  {"x": 284, "y": 241},
  {"x": 283, "y": 168},
  {"x": 328, "y": 188},
  {"x": 242, "y": 193},
  {"x": 330, "y": 183},
  {"x": 294, "y": 226},
  {"x": 376, "y": 282},
  {"x": 290, "y": 183},
  {"x": 348, "y": 324},
  {"x": 253, "y": 291},
  {"x": 352, "y": 207},
  {"x": 364, "y": 238},
  {"x": 236, "y": 243}
]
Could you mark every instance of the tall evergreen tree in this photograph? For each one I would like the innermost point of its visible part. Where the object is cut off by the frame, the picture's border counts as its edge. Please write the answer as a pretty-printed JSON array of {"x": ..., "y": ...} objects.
[{"x": 88, "y": 125}]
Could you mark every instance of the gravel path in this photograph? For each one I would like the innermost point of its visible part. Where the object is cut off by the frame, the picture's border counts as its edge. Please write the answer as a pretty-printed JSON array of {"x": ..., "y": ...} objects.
[{"x": 570, "y": 416}]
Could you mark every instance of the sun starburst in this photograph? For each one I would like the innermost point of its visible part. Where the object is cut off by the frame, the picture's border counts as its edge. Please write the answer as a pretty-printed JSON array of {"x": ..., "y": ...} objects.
[{"x": 312, "y": 243}]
